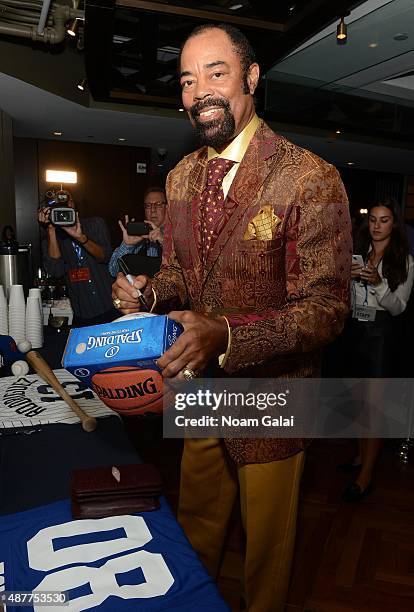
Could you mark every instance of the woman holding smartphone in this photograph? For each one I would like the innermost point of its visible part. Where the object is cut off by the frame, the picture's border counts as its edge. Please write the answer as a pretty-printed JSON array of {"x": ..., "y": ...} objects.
[{"x": 379, "y": 291}]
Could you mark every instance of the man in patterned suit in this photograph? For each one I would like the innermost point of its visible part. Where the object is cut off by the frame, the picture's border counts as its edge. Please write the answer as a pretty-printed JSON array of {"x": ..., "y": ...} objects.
[{"x": 260, "y": 262}]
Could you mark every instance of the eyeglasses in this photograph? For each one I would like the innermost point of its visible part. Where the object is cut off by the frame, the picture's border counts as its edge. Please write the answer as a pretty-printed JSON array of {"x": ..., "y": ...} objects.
[{"x": 155, "y": 205}]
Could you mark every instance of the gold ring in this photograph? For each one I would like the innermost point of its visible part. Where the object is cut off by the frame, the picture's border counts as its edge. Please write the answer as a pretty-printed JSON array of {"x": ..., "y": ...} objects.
[
  {"x": 116, "y": 302},
  {"x": 188, "y": 374}
]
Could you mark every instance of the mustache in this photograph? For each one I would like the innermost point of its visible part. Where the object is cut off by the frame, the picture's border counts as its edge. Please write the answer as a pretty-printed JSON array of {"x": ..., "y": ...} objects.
[{"x": 198, "y": 107}]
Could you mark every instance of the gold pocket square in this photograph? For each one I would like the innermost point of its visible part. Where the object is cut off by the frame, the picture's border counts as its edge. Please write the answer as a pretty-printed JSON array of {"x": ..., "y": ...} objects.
[{"x": 263, "y": 225}]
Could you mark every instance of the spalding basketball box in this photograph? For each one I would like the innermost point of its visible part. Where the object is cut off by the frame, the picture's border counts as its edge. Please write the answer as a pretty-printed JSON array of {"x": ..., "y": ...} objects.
[{"x": 118, "y": 360}]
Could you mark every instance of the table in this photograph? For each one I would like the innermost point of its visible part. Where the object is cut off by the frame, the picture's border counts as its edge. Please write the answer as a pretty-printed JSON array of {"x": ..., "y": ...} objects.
[
  {"x": 115, "y": 564},
  {"x": 35, "y": 467}
]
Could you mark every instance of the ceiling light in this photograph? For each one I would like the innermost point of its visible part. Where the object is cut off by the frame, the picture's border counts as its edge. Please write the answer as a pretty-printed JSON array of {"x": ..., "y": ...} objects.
[
  {"x": 401, "y": 36},
  {"x": 121, "y": 139},
  {"x": 82, "y": 85},
  {"x": 341, "y": 31},
  {"x": 117, "y": 39},
  {"x": 373, "y": 45},
  {"x": 337, "y": 131},
  {"x": 350, "y": 163},
  {"x": 181, "y": 110},
  {"x": 57, "y": 133},
  {"x": 235, "y": 7},
  {"x": 73, "y": 29},
  {"x": 61, "y": 176},
  {"x": 363, "y": 211}
]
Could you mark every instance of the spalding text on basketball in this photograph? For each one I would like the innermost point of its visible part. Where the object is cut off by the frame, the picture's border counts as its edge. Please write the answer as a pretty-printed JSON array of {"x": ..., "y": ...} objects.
[{"x": 146, "y": 387}]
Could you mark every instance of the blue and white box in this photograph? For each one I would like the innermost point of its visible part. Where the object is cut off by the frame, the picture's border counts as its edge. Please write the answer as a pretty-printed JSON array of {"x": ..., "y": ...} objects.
[{"x": 134, "y": 340}]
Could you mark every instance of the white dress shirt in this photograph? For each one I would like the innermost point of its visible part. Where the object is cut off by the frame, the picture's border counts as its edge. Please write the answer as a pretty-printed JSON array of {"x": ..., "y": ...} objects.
[{"x": 381, "y": 297}]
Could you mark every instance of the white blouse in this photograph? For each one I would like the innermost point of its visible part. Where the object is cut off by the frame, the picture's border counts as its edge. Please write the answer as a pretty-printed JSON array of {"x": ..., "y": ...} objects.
[{"x": 381, "y": 297}]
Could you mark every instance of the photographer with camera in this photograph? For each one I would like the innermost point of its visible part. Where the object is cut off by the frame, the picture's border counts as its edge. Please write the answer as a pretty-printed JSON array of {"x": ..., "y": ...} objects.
[
  {"x": 78, "y": 250},
  {"x": 143, "y": 240}
]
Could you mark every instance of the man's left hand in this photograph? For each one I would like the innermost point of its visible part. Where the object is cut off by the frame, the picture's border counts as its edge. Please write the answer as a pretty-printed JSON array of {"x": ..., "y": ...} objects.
[{"x": 203, "y": 339}]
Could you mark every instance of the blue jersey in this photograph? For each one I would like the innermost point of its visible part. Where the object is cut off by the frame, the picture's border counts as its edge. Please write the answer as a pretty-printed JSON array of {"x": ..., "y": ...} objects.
[{"x": 141, "y": 562}]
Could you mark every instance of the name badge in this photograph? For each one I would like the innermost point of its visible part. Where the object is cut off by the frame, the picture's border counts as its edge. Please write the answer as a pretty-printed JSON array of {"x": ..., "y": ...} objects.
[
  {"x": 79, "y": 275},
  {"x": 364, "y": 313}
]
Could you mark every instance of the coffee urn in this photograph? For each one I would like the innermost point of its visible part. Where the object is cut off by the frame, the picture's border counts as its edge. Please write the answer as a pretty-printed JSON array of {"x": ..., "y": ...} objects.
[{"x": 15, "y": 265}]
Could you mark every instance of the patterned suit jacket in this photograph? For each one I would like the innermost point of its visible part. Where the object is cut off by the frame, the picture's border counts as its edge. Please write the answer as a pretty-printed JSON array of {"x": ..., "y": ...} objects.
[{"x": 285, "y": 297}]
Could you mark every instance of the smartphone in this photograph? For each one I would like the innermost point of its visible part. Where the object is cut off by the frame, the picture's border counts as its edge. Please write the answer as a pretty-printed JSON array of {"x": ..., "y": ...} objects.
[
  {"x": 137, "y": 228},
  {"x": 359, "y": 260}
]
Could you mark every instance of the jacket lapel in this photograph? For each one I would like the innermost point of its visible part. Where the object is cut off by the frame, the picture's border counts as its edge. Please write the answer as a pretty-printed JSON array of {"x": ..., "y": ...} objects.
[
  {"x": 256, "y": 165},
  {"x": 196, "y": 182}
]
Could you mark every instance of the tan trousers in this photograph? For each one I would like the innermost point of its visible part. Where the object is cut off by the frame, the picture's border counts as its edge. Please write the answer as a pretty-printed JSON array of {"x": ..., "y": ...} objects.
[{"x": 269, "y": 494}]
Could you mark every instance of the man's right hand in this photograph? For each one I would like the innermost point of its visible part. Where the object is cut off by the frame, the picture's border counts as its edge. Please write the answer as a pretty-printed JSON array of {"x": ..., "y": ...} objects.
[
  {"x": 43, "y": 216},
  {"x": 127, "y": 239},
  {"x": 128, "y": 295}
]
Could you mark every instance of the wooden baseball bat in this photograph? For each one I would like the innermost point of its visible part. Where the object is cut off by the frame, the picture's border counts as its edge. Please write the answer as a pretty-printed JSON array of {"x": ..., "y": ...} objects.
[{"x": 44, "y": 370}]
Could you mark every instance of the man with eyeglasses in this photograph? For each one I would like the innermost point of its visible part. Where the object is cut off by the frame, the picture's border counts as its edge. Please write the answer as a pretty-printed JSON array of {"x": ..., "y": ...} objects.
[{"x": 148, "y": 245}]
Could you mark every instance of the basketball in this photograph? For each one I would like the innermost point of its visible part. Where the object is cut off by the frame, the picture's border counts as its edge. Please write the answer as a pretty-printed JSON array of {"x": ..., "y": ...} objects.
[{"x": 130, "y": 390}]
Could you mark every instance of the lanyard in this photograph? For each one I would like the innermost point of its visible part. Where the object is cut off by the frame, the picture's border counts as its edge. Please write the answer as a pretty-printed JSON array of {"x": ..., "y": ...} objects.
[
  {"x": 78, "y": 252},
  {"x": 365, "y": 303}
]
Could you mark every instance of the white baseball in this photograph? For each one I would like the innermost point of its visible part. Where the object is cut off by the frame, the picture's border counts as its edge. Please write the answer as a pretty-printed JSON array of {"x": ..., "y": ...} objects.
[
  {"x": 20, "y": 368},
  {"x": 24, "y": 346}
]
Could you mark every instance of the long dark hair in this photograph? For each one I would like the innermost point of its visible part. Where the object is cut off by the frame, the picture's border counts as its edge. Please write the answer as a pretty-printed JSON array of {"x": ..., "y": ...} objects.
[
  {"x": 394, "y": 261},
  {"x": 4, "y": 237}
]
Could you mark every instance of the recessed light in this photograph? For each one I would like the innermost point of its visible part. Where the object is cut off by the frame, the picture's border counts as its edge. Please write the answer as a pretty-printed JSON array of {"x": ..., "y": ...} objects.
[
  {"x": 235, "y": 7},
  {"x": 121, "y": 139},
  {"x": 350, "y": 163},
  {"x": 373, "y": 45},
  {"x": 337, "y": 131},
  {"x": 401, "y": 36},
  {"x": 181, "y": 110},
  {"x": 57, "y": 133}
]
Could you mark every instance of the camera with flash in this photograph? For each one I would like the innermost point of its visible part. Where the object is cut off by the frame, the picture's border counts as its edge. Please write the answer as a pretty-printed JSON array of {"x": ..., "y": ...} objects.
[{"x": 60, "y": 214}]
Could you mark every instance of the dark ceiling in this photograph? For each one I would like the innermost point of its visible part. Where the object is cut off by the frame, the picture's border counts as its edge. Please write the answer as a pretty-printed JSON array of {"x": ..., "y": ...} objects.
[{"x": 131, "y": 46}]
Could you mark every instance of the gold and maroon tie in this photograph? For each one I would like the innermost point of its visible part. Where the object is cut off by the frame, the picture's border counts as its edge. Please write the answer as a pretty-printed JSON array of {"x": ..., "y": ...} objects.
[{"x": 212, "y": 202}]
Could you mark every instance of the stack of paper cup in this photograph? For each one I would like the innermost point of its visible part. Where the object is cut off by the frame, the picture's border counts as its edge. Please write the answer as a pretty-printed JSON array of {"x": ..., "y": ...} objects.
[
  {"x": 34, "y": 322},
  {"x": 4, "y": 325},
  {"x": 17, "y": 313},
  {"x": 35, "y": 292}
]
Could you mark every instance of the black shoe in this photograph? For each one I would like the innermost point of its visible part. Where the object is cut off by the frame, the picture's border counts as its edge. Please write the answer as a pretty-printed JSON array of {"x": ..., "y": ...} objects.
[
  {"x": 353, "y": 492},
  {"x": 349, "y": 466}
]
